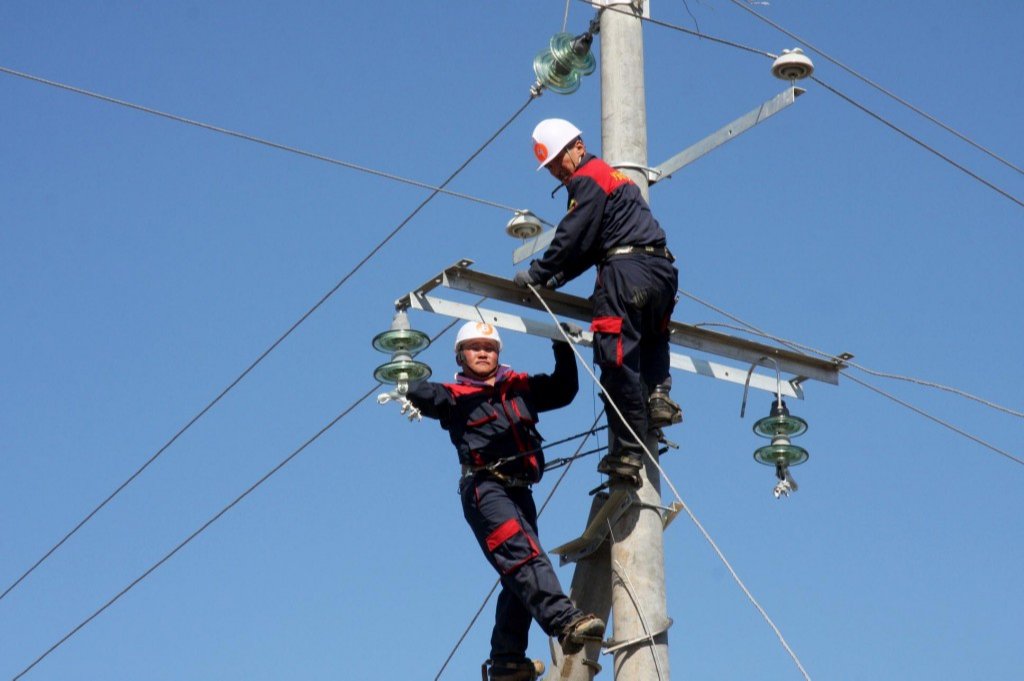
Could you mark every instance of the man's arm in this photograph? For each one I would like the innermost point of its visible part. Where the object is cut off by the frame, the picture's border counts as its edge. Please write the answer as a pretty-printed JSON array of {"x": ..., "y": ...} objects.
[
  {"x": 557, "y": 389},
  {"x": 570, "y": 252},
  {"x": 432, "y": 399}
]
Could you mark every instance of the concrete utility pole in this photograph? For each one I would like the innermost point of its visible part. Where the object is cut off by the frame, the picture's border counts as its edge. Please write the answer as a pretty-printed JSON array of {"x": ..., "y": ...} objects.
[{"x": 637, "y": 553}]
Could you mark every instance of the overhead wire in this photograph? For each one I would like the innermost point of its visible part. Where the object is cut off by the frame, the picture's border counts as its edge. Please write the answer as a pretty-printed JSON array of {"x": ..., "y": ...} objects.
[
  {"x": 846, "y": 98},
  {"x": 288, "y": 459},
  {"x": 380, "y": 245},
  {"x": 654, "y": 461},
  {"x": 917, "y": 141},
  {"x": 798, "y": 346},
  {"x": 202, "y": 528},
  {"x": 258, "y": 140},
  {"x": 878, "y": 87}
]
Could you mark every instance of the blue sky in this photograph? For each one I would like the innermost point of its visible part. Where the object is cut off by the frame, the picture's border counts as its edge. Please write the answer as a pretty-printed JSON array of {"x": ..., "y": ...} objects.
[{"x": 144, "y": 264}]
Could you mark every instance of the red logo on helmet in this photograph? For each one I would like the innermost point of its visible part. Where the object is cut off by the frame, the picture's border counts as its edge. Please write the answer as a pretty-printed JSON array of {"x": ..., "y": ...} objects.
[{"x": 540, "y": 151}]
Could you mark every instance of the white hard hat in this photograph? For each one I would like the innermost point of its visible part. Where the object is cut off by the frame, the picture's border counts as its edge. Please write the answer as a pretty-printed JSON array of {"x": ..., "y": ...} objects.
[
  {"x": 551, "y": 136},
  {"x": 477, "y": 331}
]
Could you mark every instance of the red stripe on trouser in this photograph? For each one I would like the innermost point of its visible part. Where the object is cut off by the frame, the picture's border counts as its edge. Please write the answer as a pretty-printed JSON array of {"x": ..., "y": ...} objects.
[
  {"x": 611, "y": 326},
  {"x": 503, "y": 533},
  {"x": 508, "y": 529}
]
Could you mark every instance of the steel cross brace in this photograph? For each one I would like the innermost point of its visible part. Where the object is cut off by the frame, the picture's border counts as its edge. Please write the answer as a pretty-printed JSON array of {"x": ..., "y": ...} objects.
[{"x": 460, "y": 277}]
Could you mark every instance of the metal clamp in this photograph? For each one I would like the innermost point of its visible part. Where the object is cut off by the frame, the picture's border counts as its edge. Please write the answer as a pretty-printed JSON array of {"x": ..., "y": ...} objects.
[{"x": 612, "y": 646}]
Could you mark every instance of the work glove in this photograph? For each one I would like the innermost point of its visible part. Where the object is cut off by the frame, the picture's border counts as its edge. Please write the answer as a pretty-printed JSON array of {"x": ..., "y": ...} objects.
[
  {"x": 555, "y": 281},
  {"x": 523, "y": 278},
  {"x": 572, "y": 330},
  {"x": 409, "y": 410}
]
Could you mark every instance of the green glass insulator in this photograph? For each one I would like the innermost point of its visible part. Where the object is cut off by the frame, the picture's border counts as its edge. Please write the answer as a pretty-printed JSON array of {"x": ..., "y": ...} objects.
[
  {"x": 402, "y": 371},
  {"x": 773, "y": 454},
  {"x": 407, "y": 341},
  {"x": 563, "y": 52},
  {"x": 780, "y": 424},
  {"x": 554, "y": 76}
]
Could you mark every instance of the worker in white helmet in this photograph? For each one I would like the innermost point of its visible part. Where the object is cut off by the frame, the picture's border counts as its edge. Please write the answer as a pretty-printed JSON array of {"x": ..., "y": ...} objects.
[
  {"x": 491, "y": 415},
  {"x": 610, "y": 225}
]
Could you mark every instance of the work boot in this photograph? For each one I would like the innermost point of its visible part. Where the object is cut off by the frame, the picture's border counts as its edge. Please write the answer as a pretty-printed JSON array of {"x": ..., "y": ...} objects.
[
  {"x": 623, "y": 461},
  {"x": 578, "y": 632},
  {"x": 662, "y": 411},
  {"x": 525, "y": 670}
]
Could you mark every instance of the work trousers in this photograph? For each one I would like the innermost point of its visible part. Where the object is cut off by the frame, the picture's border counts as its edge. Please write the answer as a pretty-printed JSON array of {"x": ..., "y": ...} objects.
[
  {"x": 504, "y": 521},
  {"x": 634, "y": 296}
]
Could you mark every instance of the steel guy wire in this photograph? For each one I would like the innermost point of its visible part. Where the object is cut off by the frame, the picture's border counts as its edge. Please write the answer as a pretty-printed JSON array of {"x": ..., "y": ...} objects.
[
  {"x": 380, "y": 245},
  {"x": 258, "y": 140},
  {"x": 918, "y": 410},
  {"x": 682, "y": 503},
  {"x": 878, "y": 87},
  {"x": 284, "y": 462},
  {"x": 540, "y": 512},
  {"x": 848, "y": 99}
]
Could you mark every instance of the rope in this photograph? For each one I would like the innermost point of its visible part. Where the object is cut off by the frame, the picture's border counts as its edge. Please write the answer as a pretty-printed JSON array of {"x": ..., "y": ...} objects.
[
  {"x": 682, "y": 503},
  {"x": 270, "y": 349}
]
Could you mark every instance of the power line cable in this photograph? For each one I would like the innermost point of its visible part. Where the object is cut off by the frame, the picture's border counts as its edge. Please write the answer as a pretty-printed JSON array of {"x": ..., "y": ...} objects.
[
  {"x": 878, "y": 87},
  {"x": 195, "y": 534},
  {"x": 860, "y": 367},
  {"x": 284, "y": 462},
  {"x": 848, "y": 99},
  {"x": 257, "y": 140},
  {"x": 915, "y": 140},
  {"x": 747, "y": 326},
  {"x": 681, "y": 29},
  {"x": 918, "y": 410},
  {"x": 273, "y": 346}
]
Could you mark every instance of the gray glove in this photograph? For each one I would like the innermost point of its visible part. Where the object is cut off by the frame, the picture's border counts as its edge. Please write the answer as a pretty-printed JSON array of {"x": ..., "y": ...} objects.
[
  {"x": 571, "y": 330},
  {"x": 523, "y": 278}
]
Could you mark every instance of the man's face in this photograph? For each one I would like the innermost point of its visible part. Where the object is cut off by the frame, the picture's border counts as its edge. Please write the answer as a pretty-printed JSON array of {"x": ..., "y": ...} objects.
[
  {"x": 480, "y": 357},
  {"x": 567, "y": 161}
]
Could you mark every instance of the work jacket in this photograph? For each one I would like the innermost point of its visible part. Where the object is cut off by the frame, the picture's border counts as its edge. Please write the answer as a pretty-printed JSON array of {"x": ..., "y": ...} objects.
[
  {"x": 488, "y": 423},
  {"x": 605, "y": 210}
]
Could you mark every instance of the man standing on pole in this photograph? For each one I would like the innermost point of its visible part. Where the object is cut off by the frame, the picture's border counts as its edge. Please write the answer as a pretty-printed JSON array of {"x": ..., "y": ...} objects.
[{"x": 610, "y": 225}]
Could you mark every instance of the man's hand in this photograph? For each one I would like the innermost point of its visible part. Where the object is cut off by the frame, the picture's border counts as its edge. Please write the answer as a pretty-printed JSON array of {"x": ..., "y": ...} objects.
[
  {"x": 523, "y": 278},
  {"x": 572, "y": 330}
]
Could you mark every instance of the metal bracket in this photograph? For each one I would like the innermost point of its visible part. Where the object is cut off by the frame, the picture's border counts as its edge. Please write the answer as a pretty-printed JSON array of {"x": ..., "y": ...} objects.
[
  {"x": 460, "y": 277},
  {"x": 724, "y": 134},
  {"x": 612, "y": 646},
  {"x": 597, "y": 531}
]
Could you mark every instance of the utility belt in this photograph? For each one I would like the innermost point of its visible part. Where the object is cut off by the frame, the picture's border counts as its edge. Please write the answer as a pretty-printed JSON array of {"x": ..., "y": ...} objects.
[
  {"x": 484, "y": 472},
  {"x": 656, "y": 251}
]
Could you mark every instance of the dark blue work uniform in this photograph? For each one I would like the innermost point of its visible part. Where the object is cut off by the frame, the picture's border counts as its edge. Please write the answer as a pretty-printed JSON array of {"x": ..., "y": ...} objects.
[
  {"x": 634, "y": 293},
  {"x": 486, "y": 424}
]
